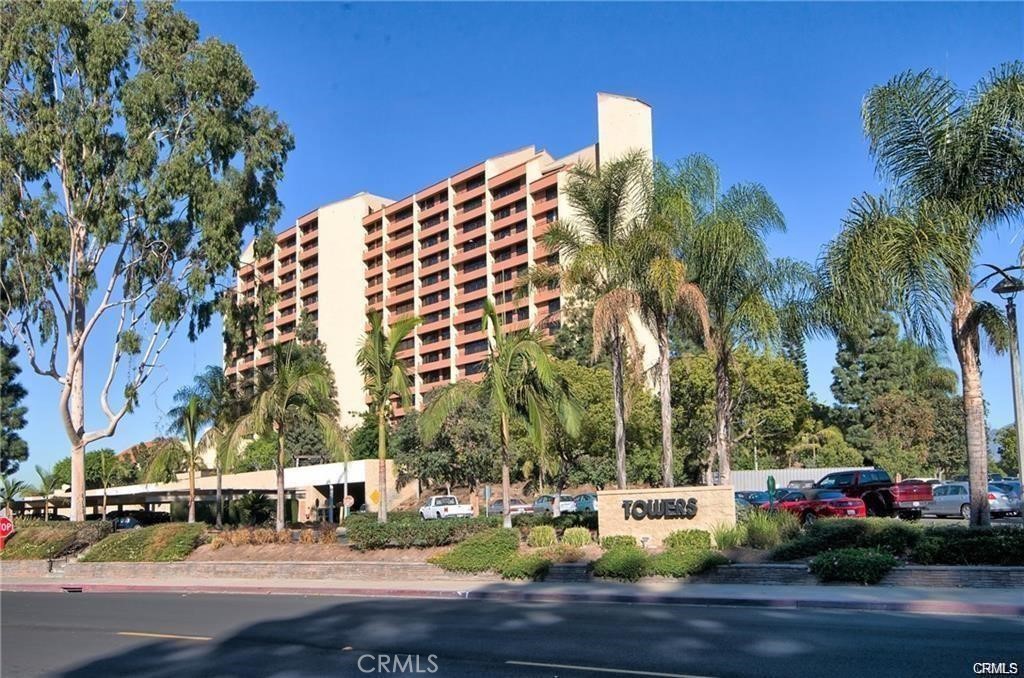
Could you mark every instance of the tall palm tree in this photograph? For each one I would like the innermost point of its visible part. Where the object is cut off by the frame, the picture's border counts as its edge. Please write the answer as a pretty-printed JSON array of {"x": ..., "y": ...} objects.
[
  {"x": 599, "y": 243},
  {"x": 111, "y": 470},
  {"x": 520, "y": 384},
  {"x": 955, "y": 164},
  {"x": 385, "y": 380},
  {"x": 295, "y": 389},
  {"x": 188, "y": 419},
  {"x": 48, "y": 484},
  {"x": 10, "y": 489},
  {"x": 746, "y": 292},
  {"x": 667, "y": 290}
]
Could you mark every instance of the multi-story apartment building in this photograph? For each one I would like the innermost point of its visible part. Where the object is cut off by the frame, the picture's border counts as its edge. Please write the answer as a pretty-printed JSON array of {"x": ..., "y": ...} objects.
[{"x": 437, "y": 254}]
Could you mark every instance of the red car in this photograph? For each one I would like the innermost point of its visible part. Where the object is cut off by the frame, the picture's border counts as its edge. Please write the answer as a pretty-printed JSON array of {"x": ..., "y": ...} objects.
[{"x": 809, "y": 505}]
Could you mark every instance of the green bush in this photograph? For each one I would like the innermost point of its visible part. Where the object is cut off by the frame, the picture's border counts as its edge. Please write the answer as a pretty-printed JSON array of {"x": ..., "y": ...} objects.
[
  {"x": 525, "y": 521},
  {"x": 39, "y": 540},
  {"x": 481, "y": 552},
  {"x": 576, "y": 536},
  {"x": 622, "y": 562},
  {"x": 160, "y": 543},
  {"x": 541, "y": 535},
  {"x": 680, "y": 562},
  {"x": 768, "y": 529},
  {"x": 526, "y": 566},
  {"x": 563, "y": 553},
  {"x": 365, "y": 534},
  {"x": 970, "y": 546},
  {"x": 730, "y": 536},
  {"x": 862, "y": 566},
  {"x": 617, "y": 540},
  {"x": 688, "y": 539},
  {"x": 893, "y": 536}
]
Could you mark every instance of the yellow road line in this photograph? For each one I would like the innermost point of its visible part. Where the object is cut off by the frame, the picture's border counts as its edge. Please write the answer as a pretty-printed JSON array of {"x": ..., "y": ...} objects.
[{"x": 170, "y": 636}]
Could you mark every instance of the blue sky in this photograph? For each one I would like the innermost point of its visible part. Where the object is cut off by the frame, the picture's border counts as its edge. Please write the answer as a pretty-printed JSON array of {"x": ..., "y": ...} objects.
[{"x": 389, "y": 98}]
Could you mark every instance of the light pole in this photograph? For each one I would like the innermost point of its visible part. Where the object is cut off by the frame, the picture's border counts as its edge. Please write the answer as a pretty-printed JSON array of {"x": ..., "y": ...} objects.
[{"x": 1007, "y": 288}]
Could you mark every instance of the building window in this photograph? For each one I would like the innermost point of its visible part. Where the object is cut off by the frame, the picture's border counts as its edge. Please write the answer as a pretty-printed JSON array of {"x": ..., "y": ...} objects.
[
  {"x": 551, "y": 193},
  {"x": 475, "y": 368},
  {"x": 474, "y": 305},
  {"x": 474, "y": 265},
  {"x": 435, "y": 297},
  {"x": 474, "y": 285},
  {"x": 478, "y": 346},
  {"x": 507, "y": 189}
]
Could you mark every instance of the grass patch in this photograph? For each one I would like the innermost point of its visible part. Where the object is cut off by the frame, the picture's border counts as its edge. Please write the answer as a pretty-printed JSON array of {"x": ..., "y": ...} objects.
[
  {"x": 730, "y": 536},
  {"x": 36, "y": 540},
  {"x": 768, "y": 529},
  {"x": 158, "y": 543}
]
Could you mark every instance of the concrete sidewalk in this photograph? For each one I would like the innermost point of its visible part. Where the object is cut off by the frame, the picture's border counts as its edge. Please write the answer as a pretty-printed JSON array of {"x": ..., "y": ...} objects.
[{"x": 1001, "y": 602}]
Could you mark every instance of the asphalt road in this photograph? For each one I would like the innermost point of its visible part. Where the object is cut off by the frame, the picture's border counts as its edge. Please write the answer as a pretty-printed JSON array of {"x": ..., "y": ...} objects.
[{"x": 137, "y": 634}]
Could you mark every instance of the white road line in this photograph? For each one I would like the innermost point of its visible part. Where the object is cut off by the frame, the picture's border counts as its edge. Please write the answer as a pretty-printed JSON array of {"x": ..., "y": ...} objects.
[
  {"x": 140, "y": 634},
  {"x": 598, "y": 669}
]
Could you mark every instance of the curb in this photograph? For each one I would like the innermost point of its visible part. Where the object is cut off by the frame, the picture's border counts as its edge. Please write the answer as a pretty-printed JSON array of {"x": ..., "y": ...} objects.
[{"x": 944, "y": 607}]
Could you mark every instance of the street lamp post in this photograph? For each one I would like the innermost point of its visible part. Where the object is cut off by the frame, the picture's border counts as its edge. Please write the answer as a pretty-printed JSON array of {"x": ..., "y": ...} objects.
[{"x": 1008, "y": 289}]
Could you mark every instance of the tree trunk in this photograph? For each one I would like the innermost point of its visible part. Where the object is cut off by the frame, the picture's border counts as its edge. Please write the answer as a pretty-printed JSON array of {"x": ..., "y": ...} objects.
[
  {"x": 220, "y": 499},
  {"x": 619, "y": 395},
  {"x": 76, "y": 405},
  {"x": 382, "y": 468},
  {"x": 506, "y": 483},
  {"x": 723, "y": 414},
  {"x": 78, "y": 481},
  {"x": 967, "y": 345},
  {"x": 104, "y": 502},
  {"x": 665, "y": 385},
  {"x": 280, "y": 479},
  {"x": 191, "y": 488},
  {"x": 46, "y": 509}
]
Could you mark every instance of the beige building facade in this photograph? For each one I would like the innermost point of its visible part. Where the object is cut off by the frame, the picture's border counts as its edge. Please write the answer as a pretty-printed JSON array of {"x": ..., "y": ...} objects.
[{"x": 650, "y": 515}]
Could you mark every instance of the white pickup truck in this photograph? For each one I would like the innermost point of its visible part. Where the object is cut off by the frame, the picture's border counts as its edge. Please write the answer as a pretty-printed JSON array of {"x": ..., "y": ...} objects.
[{"x": 445, "y": 506}]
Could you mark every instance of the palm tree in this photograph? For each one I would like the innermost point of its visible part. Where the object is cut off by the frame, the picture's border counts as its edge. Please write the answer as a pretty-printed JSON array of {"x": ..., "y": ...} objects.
[
  {"x": 520, "y": 384},
  {"x": 385, "y": 379},
  {"x": 111, "y": 470},
  {"x": 956, "y": 168},
  {"x": 187, "y": 420},
  {"x": 746, "y": 291},
  {"x": 10, "y": 489},
  {"x": 599, "y": 247},
  {"x": 48, "y": 484},
  {"x": 295, "y": 389},
  {"x": 666, "y": 290}
]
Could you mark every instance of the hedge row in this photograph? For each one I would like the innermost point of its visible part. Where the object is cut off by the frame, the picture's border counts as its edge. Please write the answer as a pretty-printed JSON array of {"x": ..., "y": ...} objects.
[
  {"x": 857, "y": 565},
  {"x": 487, "y": 551},
  {"x": 408, "y": 533},
  {"x": 38, "y": 540},
  {"x": 629, "y": 563},
  {"x": 954, "y": 545}
]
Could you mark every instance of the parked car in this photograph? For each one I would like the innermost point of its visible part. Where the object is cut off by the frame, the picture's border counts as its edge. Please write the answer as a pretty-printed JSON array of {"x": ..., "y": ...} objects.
[
  {"x": 880, "y": 495},
  {"x": 954, "y": 499},
  {"x": 543, "y": 504},
  {"x": 799, "y": 484},
  {"x": 445, "y": 506},
  {"x": 743, "y": 507},
  {"x": 516, "y": 506},
  {"x": 755, "y": 498},
  {"x": 145, "y": 518},
  {"x": 1012, "y": 489},
  {"x": 126, "y": 523},
  {"x": 809, "y": 504},
  {"x": 930, "y": 481},
  {"x": 586, "y": 502}
]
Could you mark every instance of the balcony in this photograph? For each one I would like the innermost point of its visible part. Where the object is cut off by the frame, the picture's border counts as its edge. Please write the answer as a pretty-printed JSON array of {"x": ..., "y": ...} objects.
[
  {"x": 428, "y": 386},
  {"x": 467, "y": 337},
  {"x": 465, "y": 359},
  {"x": 399, "y": 262},
  {"x": 544, "y": 295},
  {"x": 396, "y": 225},
  {"x": 439, "y": 305},
  {"x": 466, "y": 297},
  {"x": 434, "y": 286},
  {"x": 513, "y": 261},
  {"x": 510, "y": 220},
  {"x": 309, "y": 252},
  {"x": 309, "y": 288},
  {"x": 286, "y": 286},
  {"x": 309, "y": 238},
  {"x": 464, "y": 235},
  {"x": 433, "y": 346},
  {"x": 396, "y": 299},
  {"x": 396, "y": 281},
  {"x": 463, "y": 277},
  {"x": 462, "y": 256},
  {"x": 468, "y": 194},
  {"x": 284, "y": 305},
  {"x": 434, "y": 229},
  {"x": 285, "y": 269},
  {"x": 286, "y": 252},
  {"x": 374, "y": 251},
  {"x": 511, "y": 198},
  {"x": 266, "y": 275},
  {"x": 434, "y": 210},
  {"x": 470, "y": 215},
  {"x": 433, "y": 249},
  {"x": 430, "y": 269},
  {"x": 542, "y": 205},
  {"x": 308, "y": 270},
  {"x": 286, "y": 336},
  {"x": 310, "y": 306},
  {"x": 288, "y": 317},
  {"x": 441, "y": 324},
  {"x": 509, "y": 237},
  {"x": 468, "y": 316}
]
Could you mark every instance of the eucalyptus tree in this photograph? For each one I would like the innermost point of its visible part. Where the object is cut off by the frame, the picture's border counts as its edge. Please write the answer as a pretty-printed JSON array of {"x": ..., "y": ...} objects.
[
  {"x": 599, "y": 243},
  {"x": 10, "y": 488},
  {"x": 954, "y": 162},
  {"x": 292, "y": 392},
  {"x": 385, "y": 379},
  {"x": 133, "y": 162},
  {"x": 48, "y": 484},
  {"x": 520, "y": 384},
  {"x": 747, "y": 293}
]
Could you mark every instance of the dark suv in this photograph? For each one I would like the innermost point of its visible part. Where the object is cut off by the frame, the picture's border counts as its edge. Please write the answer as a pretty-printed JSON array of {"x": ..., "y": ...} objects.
[{"x": 880, "y": 495}]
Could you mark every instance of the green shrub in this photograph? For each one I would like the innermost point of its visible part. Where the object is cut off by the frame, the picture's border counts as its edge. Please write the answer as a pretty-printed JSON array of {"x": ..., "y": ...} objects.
[
  {"x": 525, "y": 521},
  {"x": 894, "y": 536},
  {"x": 618, "y": 540},
  {"x": 576, "y": 536},
  {"x": 365, "y": 534},
  {"x": 622, "y": 562},
  {"x": 970, "y": 546},
  {"x": 541, "y": 535},
  {"x": 526, "y": 566},
  {"x": 688, "y": 539},
  {"x": 768, "y": 529},
  {"x": 680, "y": 562},
  {"x": 862, "y": 566},
  {"x": 39, "y": 540},
  {"x": 563, "y": 553},
  {"x": 170, "y": 542},
  {"x": 481, "y": 552},
  {"x": 730, "y": 536}
]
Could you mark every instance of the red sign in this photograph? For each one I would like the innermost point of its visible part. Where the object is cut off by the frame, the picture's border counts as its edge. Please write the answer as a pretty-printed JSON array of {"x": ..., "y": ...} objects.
[{"x": 6, "y": 530}]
